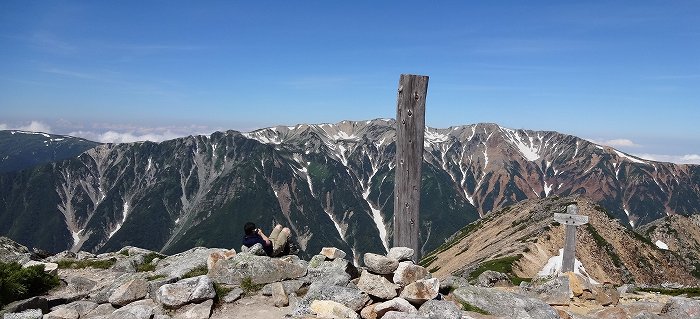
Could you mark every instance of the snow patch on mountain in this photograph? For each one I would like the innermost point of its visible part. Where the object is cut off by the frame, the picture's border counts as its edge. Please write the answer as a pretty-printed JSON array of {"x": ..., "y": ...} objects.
[
  {"x": 554, "y": 264},
  {"x": 623, "y": 155},
  {"x": 527, "y": 149},
  {"x": 125, "y": 211},
  {"x": 661, "y": 245}
]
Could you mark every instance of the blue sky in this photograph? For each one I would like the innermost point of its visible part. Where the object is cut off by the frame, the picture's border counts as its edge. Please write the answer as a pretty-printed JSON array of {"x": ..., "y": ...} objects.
[{"x": 623, "y": 73}]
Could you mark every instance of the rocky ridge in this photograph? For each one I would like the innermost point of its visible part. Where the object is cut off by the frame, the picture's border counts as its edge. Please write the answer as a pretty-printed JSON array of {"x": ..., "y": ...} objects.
[
  {"x": 524, "y": 237},
  {"x": 220, "y": 283}
]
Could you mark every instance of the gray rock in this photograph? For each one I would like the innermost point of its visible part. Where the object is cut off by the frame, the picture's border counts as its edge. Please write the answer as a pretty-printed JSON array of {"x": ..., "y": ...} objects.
[
  {"x": 379, "y": 264},
  {"x": 316, "y": 261},
  {"x": 10, "y": 251},
  {"x": 142, "y": 309},
  {"x": 104, "y": 309},
  {"x": 333, "y": 253},
  {"x": 161, "y": 317},
  {"x": 290, "y": 286},
  {"x": 260, "y": 269},
  {"x": 679, "y": 307},
  {"x": 279, "y": 296},
  {"x": 196, "y": 311},
  {"x": 401, "y": 253},
  {"x": 26, "y": 314},
  {"x": 421, "y": 291},
  {"x": 492, "y": 278},
  {"x": 233, "y": 295},
  {"x": 451, "y": 283},
  {"x": 377, "y": 286},
  {"x": 646, "y": 315},
  {"x": 154, "y": 285},
  {"x": 396, "y": 304},
  {"x": 129, "y": 292},
  {"x": 627, "y": 288},
  {"x": 81, "y": 285},
  {"x": 82, "y": 307},
  {"x": 128, "y": 264},
  {"x": 332, "y": 309},
  {"x": 403, "y": 315},
  {"x": 101, "y": 294},
  {"x": 407, "y": 273},
  {"x": 440, "y": 309},
  {"x": 176, "y": 266},
  {"x": 326, "y": 275},
  {"x": 190, "y": 290},
  {"x": 40, "y": 303},
  {"x": 505, "y": 304},
  {"x": 256, "y": 250},
  {"x": 62, "y": 313},
  {"x": 553, "y": 291},
  {"x": 351, "y": 298}
]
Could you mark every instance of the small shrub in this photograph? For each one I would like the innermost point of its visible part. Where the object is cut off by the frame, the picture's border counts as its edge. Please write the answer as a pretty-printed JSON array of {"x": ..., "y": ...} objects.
[
  {"x": 199, "y": 271},
  {"x": 147, "y": 264},
  {"x": 469, "y": 307},
  {"x": 92, "y": 263},
  {"x": 155, "y": 277},
  {"x": 221, "y": 292},
  {"x": 249, "y": 287},
  {"x": 502, "y": 265},
  {"x": 17, "y": 283},
  {"x": 124, "y": 252},
  {"x": 690, "y": 292}
]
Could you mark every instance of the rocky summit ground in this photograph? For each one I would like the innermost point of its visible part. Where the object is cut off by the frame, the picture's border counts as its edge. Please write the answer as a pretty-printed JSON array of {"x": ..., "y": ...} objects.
[{"x": 220, "y": 283}]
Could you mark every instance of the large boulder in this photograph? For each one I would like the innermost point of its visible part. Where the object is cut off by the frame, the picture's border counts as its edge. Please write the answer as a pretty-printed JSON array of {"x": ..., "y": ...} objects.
[
  {"x": 377, "y": 286},
  {"x": 260, "y": 270},
  {"x": 679, "y": 307},
  {"x": 290, "y": 286},
  {"x": 505, "y": 304},
  {"x": 396, "y": 304},
  {"x": 219, "y": 255},
  {"x": 408, "y": 273},
  {"x": 26, "y": 314},
  {"x": 332, "y": 309},
  {"x": 279, "y": 296},
  {"x": 351, "y": 298},
  {"x": 18, "y": 306},
  {"x": 190, "y": 290},
  {"x": 129, "y": 292},
  {"x": 379, "y": 264},
  {"x": 10, "y": 251},
  {"x": 104, "y": 309},
  {"x": 421, "y": 291},
  {"x": 440, "y": 309},
  {"x": 332, "y": 253},
  {"x": 142, "y": 309},
  {"x": 62, "y": 313},
  {"x": 401, "y": 253},
  {"x": 176, "y": 266},
  {"x": 553, "y": 291},
  {"x": 195, "y": 311},
  {"x": 82, "y": 307}
]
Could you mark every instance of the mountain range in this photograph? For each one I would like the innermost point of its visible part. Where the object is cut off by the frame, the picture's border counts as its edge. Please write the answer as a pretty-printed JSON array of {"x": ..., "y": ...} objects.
[{"x": 332, "y": 184}]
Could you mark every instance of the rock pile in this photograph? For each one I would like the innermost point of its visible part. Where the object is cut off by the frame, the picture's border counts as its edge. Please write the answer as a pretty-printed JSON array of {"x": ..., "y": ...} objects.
[{"x": 199, "y": 283}]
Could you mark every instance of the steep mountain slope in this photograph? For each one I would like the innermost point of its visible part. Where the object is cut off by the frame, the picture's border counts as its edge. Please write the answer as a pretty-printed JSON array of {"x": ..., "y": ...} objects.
[
  {"x": 678, "y": 234},
  {"x": 526, "y": 235},
  {"x": 20, "y": 150},
  {"x": 332, "y": 184}
]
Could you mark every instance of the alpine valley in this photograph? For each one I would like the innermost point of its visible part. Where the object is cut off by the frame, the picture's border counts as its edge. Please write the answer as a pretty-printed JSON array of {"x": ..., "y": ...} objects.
[{"x": 332, "y": 184}]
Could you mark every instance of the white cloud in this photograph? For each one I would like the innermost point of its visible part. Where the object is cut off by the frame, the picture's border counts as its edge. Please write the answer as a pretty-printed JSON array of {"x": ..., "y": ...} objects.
[
  {"x": 33, "y": 126},
  {"x": 678, "y": 159},
  {"x": 618, "y": 142},
  {"x": 126, "y": 137}
]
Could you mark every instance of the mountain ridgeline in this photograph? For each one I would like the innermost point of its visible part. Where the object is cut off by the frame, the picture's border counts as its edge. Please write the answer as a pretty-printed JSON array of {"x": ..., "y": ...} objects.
[{"x": 332, "y": 184}]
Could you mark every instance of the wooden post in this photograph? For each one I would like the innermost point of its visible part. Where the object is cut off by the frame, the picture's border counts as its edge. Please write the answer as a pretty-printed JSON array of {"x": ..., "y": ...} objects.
[
  {"x": 571, "y": 219},
  {"x": 410, "y": 130}
]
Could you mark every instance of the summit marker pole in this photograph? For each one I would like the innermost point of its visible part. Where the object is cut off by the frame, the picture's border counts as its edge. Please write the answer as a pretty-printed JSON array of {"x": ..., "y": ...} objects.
[{"x": 410, "y": 130}]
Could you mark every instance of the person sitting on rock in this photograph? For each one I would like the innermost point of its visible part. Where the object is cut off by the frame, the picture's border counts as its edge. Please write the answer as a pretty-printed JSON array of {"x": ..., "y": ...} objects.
[{"x": 274, "y": 246}]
